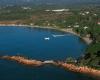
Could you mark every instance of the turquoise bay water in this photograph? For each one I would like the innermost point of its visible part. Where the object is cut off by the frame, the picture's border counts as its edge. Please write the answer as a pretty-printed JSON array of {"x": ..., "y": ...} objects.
[{"x": 30, "y": 42}]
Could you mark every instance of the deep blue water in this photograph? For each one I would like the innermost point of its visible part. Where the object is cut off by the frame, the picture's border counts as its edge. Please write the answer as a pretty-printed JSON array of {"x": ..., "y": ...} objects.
[{"x": 30, "y": 42}]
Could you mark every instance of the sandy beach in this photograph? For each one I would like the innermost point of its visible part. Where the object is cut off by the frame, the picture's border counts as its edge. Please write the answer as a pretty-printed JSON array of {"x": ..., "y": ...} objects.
[{"x": 68, "y": 30}]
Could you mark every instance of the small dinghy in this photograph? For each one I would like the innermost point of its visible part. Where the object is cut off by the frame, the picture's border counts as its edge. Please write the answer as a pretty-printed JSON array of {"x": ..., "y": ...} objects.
[{"x": 47, "y": 38}]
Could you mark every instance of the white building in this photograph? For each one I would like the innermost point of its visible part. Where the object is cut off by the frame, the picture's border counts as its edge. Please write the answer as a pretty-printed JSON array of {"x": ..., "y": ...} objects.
[
  {"x": 95, "y": 14},
  {"x": 98, "y": 23},
  {"x": 82, "y": 14},
  {"x": 69, "y": 26},
  {"x": 76, "y": 26},
  {"x": 85, "y": 27},
  {"x": 58, "y": 10},
  {"x": 87, "y": 12},
  {"x": 25, "y": 8}
]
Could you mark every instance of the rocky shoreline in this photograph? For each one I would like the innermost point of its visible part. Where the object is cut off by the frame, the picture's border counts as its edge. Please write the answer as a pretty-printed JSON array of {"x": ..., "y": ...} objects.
[
  {"x": 29, "y": 62},
  {"x": 82, "y": 69},
  {"x": 70, "y": 67}
]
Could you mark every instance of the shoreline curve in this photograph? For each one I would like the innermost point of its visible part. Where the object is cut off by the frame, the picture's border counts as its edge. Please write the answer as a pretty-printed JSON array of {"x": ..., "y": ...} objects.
[{"x": 68, "y": 30}]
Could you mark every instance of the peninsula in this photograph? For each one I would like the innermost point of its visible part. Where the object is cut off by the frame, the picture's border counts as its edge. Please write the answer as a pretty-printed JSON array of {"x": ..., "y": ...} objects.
[{"x": 71, "y": 67}]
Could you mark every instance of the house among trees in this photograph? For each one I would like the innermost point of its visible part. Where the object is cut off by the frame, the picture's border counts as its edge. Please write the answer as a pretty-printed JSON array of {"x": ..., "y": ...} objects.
[{"x": 98, "y": 23}]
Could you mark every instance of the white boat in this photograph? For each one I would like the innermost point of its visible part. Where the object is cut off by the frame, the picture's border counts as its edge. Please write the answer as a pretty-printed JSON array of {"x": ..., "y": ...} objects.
[
  {"x": 47, "y": 38},
  {"x": 58, "y": 35}
]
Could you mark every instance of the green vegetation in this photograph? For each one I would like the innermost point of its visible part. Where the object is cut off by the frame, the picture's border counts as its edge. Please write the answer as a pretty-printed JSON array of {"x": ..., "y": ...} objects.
[
  {"x": 92, "y": 57},
  {"x": 85, "y": 22},
  {"x": 71, "y": 60}
]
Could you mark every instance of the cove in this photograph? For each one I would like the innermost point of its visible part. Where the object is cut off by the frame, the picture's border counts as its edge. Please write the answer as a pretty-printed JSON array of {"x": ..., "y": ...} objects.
[{"x": 30, "y": 42}]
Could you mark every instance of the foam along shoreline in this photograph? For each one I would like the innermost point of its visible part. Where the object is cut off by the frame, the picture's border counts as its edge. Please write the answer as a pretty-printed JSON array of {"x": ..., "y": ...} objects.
[
  {"x": 69, "y": 30},
  {"x": 70, "y": 67}
]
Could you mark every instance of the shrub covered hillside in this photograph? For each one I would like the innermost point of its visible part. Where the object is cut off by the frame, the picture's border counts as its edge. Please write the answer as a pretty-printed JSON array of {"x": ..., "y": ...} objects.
[{"x": 92, "y": 57}]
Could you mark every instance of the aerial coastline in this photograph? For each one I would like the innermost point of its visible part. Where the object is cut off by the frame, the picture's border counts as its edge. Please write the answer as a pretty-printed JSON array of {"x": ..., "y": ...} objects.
[{"x": 82, "y": 22}]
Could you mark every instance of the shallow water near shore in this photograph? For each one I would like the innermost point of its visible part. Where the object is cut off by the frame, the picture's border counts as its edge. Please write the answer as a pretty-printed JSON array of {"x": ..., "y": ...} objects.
[{"x": 32, "y": 43}]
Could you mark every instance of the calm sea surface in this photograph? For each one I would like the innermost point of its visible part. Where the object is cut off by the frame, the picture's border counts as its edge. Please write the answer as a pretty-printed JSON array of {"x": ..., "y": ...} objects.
[{"x": 31, "y": 43}]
